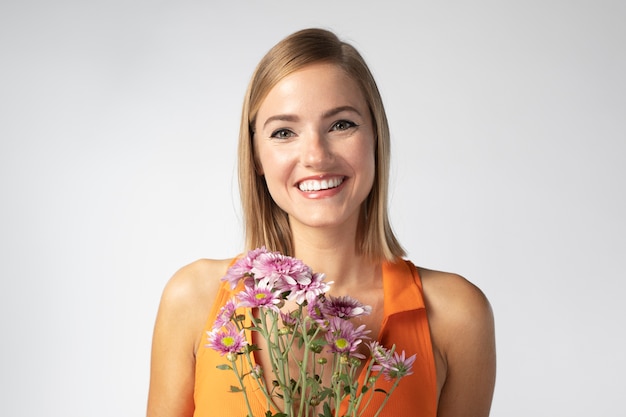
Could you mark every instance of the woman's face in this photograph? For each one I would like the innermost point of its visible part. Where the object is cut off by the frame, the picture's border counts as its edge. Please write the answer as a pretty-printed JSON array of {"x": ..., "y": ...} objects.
[{"x": 314, "y": 142}]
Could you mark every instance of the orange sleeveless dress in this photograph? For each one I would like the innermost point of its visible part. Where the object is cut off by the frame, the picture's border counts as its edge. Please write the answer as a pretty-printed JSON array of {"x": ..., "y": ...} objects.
[{"x": 404, "y": 323}]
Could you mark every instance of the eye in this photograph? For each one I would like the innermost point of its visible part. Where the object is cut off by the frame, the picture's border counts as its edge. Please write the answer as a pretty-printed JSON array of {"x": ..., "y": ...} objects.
[
  {"x": 282, "y": 134},
  {"x": 343, "y": 125}
]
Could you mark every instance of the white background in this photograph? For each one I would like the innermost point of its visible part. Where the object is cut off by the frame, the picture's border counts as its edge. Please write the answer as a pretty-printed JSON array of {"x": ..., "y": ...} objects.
[{"x": 118, "y": 127}]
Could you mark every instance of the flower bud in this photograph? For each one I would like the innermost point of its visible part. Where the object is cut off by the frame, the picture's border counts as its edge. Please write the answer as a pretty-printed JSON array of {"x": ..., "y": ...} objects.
[{"x": 256, "y": 372}]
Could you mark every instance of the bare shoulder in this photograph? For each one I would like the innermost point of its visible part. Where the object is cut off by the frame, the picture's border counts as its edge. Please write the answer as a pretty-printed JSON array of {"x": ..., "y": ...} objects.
[
  {"x": 462, "y": 328},
  {"x": 185, "y": 304},
  {"x": 195, "y": 281},
  {"x": 188, "y": 295},
  {"x": 461, "y": 300}
]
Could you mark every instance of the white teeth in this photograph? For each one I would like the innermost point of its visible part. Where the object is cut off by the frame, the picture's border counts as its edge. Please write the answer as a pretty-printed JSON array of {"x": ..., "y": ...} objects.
[{"x": 315, "y": 185}]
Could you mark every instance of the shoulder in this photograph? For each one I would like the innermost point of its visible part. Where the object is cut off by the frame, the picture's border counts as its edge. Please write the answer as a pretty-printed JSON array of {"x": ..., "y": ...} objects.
[
  {"x": 458, "y": 297},
  {"x": 462, "y": 328},
  {"x": 195, "y": 279},
  {"x": 188, "y": 295},
  {"x": 456, "y": 308},
  {"x": 185, "y": 304}
]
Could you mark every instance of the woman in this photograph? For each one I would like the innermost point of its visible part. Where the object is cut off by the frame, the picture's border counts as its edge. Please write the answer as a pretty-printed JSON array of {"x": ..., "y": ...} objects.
[{"x": 313, "y": 171}]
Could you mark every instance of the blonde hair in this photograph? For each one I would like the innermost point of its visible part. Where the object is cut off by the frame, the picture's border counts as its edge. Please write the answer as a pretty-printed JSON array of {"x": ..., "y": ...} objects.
[{"x": 265, "y": 223}]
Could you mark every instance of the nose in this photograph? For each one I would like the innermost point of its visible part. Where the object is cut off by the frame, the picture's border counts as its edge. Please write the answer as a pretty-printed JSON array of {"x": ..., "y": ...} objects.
[{"x": 316, "y": 150}]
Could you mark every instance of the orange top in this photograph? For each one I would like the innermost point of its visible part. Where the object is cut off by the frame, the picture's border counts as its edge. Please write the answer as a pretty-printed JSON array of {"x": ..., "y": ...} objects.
[{"x": 404, "y": 323}]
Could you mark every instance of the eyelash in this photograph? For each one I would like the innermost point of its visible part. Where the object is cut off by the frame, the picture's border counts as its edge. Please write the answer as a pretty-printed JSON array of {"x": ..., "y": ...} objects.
[
  {"x": 286, "y": 133},
  {"x": 348, "y": 124},
  {"x": 275, "y": 134}
]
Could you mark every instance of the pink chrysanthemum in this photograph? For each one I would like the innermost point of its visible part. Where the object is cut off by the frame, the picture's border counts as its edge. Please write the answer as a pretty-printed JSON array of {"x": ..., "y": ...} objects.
[
  {"x": 315, "y": 311},
  {"x": 259, "y": 296},
  {"x": 401, "y": 366},
  {"x": 344, "y": 338},
  {"x": 381, "y": 355},
  {"x": 242, "y": 268},
  {"x": 345, "y": 307},
  {"x": 397, "y": 366},
  {"x": 307, "y": 289},
  {"x": 226, "y": 313},
  {"x": 228, "y": 340},
  {"x": 279, "y": 271},
  {"x": 289, "y": 319}
]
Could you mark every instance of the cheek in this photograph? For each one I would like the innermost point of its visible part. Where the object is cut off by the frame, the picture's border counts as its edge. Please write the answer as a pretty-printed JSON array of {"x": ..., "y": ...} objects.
[
  {"x": 266, "y": 159},
  {"x": 368, "y": 161},
  {"x": 371, "y": 169},
  {"x": 263, "y": 161},
  {"x": 368, "y": 157},
  {"x": 272, "y": 165}
]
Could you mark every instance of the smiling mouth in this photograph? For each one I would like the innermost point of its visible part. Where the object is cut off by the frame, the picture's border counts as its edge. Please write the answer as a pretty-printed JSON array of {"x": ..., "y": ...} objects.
[{"x": 317, "y": 185}]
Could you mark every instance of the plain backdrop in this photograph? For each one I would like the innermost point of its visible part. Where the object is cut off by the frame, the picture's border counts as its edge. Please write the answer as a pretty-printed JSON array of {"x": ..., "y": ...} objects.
[{"x": 118, "y": 129}]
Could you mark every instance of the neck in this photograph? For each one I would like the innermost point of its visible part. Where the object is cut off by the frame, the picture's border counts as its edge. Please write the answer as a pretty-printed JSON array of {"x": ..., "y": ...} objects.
[{"x": 334, "y": 253}]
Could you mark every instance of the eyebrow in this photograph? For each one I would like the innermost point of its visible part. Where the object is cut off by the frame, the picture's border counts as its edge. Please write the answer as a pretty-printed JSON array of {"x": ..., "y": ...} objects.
[{"x": 326, "y": 114}]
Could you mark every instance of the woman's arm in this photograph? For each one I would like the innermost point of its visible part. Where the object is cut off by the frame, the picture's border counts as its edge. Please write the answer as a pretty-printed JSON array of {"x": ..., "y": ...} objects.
[
  {"x": 182, "y": 313},
  {"x": 462, "y": 327}
]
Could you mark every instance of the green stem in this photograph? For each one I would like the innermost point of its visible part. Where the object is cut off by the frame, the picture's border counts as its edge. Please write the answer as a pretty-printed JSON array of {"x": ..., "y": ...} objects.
[
  {"x": 382, "y": 405},
  {"x": 303, "y": 381},
  {"x": 243, "y": 388},
  {"x": 370, "y": 391},
  {"x": 337, "y": 370},
  {"x": 278, "y": 361},
  {"x": 260, "y": 381}
]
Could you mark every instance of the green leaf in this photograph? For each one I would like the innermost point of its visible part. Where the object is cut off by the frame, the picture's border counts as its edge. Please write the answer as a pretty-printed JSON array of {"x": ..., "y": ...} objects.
[
  {"x": 327, "y": 412},
  {"x": 326, "y": 392},
  {"x": 234, "y": 389},
  {"x": 344, "y": 378},
  {"x": 252, "y": 348},
  {"x": 224, "y": 367},
  {"x": 318, "y": 342}
]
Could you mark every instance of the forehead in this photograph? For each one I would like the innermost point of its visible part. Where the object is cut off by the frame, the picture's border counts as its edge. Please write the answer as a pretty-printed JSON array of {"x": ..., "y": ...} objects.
[{"x": 313, "y": 89}]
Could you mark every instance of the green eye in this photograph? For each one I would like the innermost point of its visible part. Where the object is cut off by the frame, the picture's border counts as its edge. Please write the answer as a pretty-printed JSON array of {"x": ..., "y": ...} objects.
[
  {"x": 343, "y": 125},
  {"x": 282, "y": 134}
]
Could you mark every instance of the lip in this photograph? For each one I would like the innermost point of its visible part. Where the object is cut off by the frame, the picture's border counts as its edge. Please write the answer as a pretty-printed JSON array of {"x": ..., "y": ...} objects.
[{"x": 321, "y": 185}]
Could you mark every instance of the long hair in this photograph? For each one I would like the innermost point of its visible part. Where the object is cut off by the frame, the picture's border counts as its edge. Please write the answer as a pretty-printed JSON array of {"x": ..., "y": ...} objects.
[{"x": 265, "y": 223}]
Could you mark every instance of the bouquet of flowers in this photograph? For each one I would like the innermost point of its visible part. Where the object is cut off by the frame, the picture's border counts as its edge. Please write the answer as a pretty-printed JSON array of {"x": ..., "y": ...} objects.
[{"x": 318, "y": 323}]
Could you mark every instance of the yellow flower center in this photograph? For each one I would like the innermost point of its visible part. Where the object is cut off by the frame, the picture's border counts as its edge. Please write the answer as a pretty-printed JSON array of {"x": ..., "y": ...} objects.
[
  {"x": 341, "y": 343},
  {"x": 228, "y": 341},
  {"x": 260, "y": 296}
]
